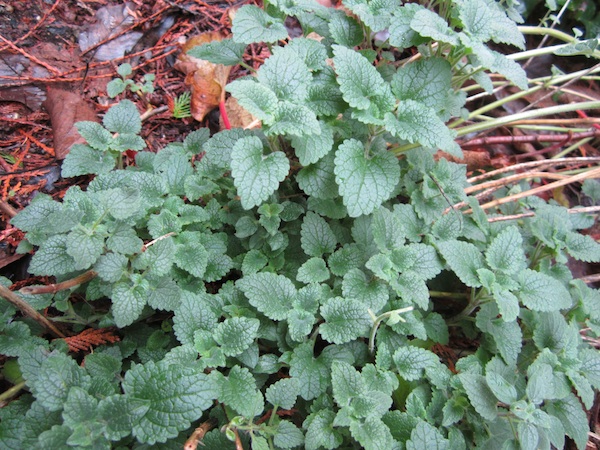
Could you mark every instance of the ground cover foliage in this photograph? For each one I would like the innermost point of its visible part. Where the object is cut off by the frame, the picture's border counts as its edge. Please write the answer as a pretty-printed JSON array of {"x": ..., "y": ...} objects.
[{"x": 287, "y": 287}]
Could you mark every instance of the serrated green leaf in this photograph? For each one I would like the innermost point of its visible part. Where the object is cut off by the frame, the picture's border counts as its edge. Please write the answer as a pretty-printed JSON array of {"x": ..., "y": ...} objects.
[
  {"x": 373, "y": 293},
  {"x": 505, "y": 252},
  {"x": 288, "y": 435},
  {"x": 507, "y": 303},
  {"x": 317, "y": 238},
  {"x": 345, "y": 320},
  {"x": 300, "y": 324},
  {"x": 313, "y": 271},
  {"x": 52, "y": 258},
  {"x": 426, "y": 81},
  {"x": 41, "y": 212},
  {"x": 582, "y": 247},
  {"x": 388, "y": 230},
  {"x": 312, "y": 52},
  {"x": 123, "y": 118},
  {"x": 83, "y": 159},
  {"x": 253, "y": 262},
  {"x": 418, "y": 259},
  {"x": 318, "y": 180},
  {"x": 541, "y": 292},
  {"x": 252, "y": 24},
  {"x": 361, "y": 85},
  {"x": 345, "y": 30},
  {"x": 312, "y": 373},
  {"x": 507, "y": 335},
  {"x": 127, "y": 141},
  {"x": 321, "y": 432},
  {"x": 372, "y": 433},
  {"x": 418, "y": 123},
  {"x": 269, "y": 293},
  {"x": 97, "y": 137},
  {"x": 256, "y": 98},
  {"x": 57, "y": 375},
  {"x": 570, "y": 413},
  {"x": 123, "y": 239},
  {"x": 235, "y": 334},
  {"x": 346, "y": 383},
  {"x": 286, "y": 75},
  {"x": 500, "y": 379},
  {"x": 175, "y": 396},
  {"x": 412, "y": 361},
  {"x": 120, "y": 413},
  {"x": 424, "y": 436},
  {"x": 480, "y": 395},
  {"x": 238, "y": 391},
  {"x": 84, "y": 246},
  {"x": 313, "y": 147},
  {"x": 464, "y": 259},
  {"x": 485, "y": 20},
  {"x": 226, "y": 52},
  {"x": 429, "y": 24},
  {"x": 111, "y": 266},
  {"x": 401, "y": 34},
  {"x": 375, "y": 14},
  {"x": 127, "y": 303},
  {"x": 193, "y": 313},
  {"x": 115, "y": 87},
  {"x": 283, "y": 393},
  {"x": 256, "y": 176},
  {"x": 293, "y": 120},
  {"x": 192, "y": 257},
  {"x": 364, "y": 181}
]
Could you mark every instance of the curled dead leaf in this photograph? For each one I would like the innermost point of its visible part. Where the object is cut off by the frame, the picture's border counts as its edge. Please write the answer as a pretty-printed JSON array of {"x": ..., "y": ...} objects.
[{"x": 205, "y": 79}]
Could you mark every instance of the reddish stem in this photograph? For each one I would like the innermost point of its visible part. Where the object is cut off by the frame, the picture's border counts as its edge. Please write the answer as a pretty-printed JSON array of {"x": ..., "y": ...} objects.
[{"x": 223, "y": 112}]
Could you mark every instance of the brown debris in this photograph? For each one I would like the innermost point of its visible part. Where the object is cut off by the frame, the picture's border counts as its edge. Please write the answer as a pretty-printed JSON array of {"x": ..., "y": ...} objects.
[
  {"x": 206, "y": 80},
  {"x": 65, "y": 109}
]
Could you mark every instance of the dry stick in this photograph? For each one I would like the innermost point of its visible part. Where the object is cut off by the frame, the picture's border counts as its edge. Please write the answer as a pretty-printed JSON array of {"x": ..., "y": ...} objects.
[
  {"x": 54, "y": 70},
  {"x": 7, "y": 209},
  {"x": 511, "y": 178},
  {"x": 532, "y": 214},
  {"x": 26, "y": 309},
  {"x": 198, "y": 435},
  {"x": 535, "y": 138},
  {"x": 582, "y": 176},
  {"x": 526, "y": 165},
  {"x": 54, "y": 288}
]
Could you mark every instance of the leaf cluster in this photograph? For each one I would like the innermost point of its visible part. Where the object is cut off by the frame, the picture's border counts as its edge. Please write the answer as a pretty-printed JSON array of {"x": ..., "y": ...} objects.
[{"x": 290, "y": 283}]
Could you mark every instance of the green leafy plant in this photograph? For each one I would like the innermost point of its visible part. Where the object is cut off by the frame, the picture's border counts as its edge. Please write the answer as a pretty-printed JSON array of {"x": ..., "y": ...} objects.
[
  {"x": 290, "y": 287},
  {"x": 119, "y": 85}
]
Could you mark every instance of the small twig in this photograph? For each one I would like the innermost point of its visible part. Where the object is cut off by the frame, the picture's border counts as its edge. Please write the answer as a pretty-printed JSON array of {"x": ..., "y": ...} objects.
[
  {"x": 11, "y": 392},
  {"x": 26, "y": 309},
  {"x": 154, "y": 241},
  {"x": 7, "y": 209},
  {"x": 519, "y": 176},
  {"x": 588, "y": 279},
  {"x": 54, "y": 288},
  {"x": 533, "y": 138},
  {"x": 153, "y": 112},
  {"x": 238, "y": 441},
  {"x": 198, "y": 435},
  {"x": 527, "y": 165},
  {"x": 511, "y": 198}
]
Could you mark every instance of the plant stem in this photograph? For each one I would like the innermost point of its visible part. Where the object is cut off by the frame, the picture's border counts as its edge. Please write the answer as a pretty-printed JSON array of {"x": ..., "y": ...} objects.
[
  {"x": 11, "y": 392},
  {"x": 377, "y": 321},
  {"x": 26, "y": 309},
  {"x": 54, "y": 288},
  {"x": 559, "y": 109}
]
